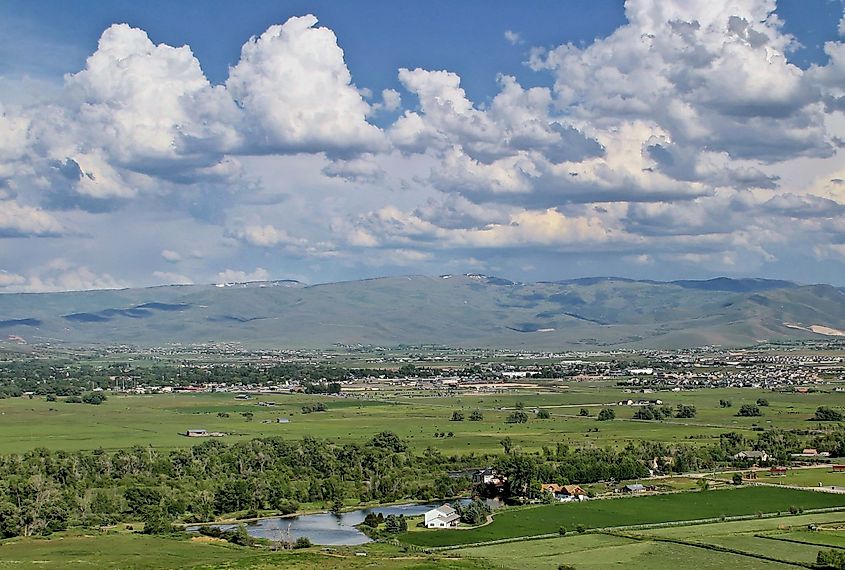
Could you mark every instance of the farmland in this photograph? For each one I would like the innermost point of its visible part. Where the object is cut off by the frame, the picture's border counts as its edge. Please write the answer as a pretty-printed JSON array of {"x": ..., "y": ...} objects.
[
  {"x": 157, "y": 420},
  {"x": 547, "y": 519},
  {"x": 756, "y": 543},
  {"x": 141, "y": 433}
]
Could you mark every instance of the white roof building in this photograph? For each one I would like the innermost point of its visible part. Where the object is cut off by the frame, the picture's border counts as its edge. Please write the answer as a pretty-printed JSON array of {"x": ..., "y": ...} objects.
[{"x": 442, "y": 517}]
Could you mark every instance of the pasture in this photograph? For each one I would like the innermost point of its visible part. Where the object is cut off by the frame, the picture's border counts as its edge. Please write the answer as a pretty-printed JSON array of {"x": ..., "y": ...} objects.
[
  {"x": 157, "y": 420},
  {"x": 547, "y": 519},
  {"x": 754, "y": 543},
  {"x": 121, "y": 551}
]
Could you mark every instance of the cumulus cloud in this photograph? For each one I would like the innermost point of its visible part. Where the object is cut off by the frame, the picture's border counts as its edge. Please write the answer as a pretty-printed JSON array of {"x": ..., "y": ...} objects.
[
  {"x": 169, "y": 278},
  {"x": 8, "y": 279},
  {"x": 62, "y": 275},
  {"x": 171, "y": 256},
  {"x": 17, "y": 220},
  {"x": 297, "y": 93},
  {"x": 237, "y": 276},
  {"x": 685, "y": 136}
]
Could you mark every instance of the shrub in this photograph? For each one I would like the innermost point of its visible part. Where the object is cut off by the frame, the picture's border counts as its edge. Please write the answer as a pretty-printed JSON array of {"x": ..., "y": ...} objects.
[
  {"x": 94, "y": 398},
  {"x": 748, "y": 411},
  {"x": 302, "y": 542},
  {"x": 825, "y": 414},
  {"x": 517, "y": 417},
  {"x": 606, "y": 414}
]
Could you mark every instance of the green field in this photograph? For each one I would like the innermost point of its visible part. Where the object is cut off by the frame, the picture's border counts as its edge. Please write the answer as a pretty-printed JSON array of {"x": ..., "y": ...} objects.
[
  {"x": 120, "y": 551},
  {"x": 804, "y": 477},
  {"x": 665, "y": 548},
  {"x": 547, "y": 519},
  {"x": 124, "y": 421}
]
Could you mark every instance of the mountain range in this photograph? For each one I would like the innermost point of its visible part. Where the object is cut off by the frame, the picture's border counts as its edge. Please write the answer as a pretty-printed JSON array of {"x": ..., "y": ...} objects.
[{"x": 468, "y": 310}]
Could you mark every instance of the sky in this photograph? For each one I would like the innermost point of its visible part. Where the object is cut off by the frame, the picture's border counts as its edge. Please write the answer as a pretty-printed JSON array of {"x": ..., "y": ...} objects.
[{"x": 150, "y": 143}]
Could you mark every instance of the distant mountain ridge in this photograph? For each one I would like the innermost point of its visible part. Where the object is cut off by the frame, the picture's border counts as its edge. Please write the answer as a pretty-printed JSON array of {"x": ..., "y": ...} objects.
[{"x": 458, "y": 310}]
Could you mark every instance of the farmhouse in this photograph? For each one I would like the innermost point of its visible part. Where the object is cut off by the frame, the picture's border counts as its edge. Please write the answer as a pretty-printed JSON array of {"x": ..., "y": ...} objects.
[
  {"x": 756, "y": 456},
  {"x": 442, "y": 517},
  {"x": 203, "y": 433},
  {"x": 633, "y": 488},
  {"x": 565, "y": 493},
  {"x": 488, "y": 476}
]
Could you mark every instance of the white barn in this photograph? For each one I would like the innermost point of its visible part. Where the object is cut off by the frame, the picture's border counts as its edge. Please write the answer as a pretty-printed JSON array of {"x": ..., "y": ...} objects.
[{"x": 442, "y": 517}]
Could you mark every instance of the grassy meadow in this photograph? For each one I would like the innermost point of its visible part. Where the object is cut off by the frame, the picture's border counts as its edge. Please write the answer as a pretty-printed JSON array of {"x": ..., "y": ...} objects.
[
  {"x": 158, "y": 420},
  {"x": 123, "y": 551},
  {"x": 546, "y": 519},
  {"x": 765, "y": 544}
]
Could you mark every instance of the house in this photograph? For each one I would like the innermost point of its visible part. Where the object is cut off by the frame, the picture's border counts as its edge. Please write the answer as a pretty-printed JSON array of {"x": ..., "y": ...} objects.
[
  {"x": 564, "y": 492},
  {"x": 753, "y": 455},
  {"x": 442, "y": 517},
  {"x": 777, "y": 472},
  {"x": 634, "y": 488},
  {"x": 810, "y": 452},
  {"x": 488, "y": 476}
]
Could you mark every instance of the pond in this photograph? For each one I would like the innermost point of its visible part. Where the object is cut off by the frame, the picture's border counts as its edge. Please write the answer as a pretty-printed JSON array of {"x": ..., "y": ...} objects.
[{"x": 325, "y": 528}]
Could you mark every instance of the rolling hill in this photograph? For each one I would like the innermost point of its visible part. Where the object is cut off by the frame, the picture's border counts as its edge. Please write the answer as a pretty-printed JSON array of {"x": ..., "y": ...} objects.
[{"x": 457, "y": 310}]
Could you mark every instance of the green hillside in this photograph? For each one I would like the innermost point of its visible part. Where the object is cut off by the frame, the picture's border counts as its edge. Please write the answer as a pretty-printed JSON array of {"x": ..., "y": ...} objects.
[{"x": 460, "y": 310}]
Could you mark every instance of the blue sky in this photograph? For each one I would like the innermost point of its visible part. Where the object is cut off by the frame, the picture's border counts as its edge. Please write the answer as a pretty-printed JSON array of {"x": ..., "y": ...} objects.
[{"x": 216, "y": 141}]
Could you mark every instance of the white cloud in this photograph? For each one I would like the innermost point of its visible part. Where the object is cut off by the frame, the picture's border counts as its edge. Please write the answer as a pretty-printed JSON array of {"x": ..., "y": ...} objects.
[
  {"x": 11, "y": 279},
  {"x": 297, "y": 92},
  {"x": 512, "y": 37},
  {"x": 171, "y": 256},
  {"x": 17, "y": 220},
  {"x": 236, "y": 276},
  {"x": 62, "y": 275},
  {"x": 168, "y": 278}
]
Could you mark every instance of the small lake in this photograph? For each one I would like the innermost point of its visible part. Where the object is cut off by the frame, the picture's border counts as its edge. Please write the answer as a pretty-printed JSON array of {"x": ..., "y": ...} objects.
[{"x": 326, "y": 528}]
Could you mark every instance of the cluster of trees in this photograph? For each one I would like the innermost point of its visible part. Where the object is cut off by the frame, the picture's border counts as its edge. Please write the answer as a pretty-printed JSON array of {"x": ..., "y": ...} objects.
[
  {"x": 749, "y": 411},
  {"x": 311, "y": 408},
  {"x": 831, "y": 559},
  {"x": 94, "y": 398},
  {"x": 44, "y": 491},
  {"x": 474, "y": 512},
  {"x": 517, "y": 417},
  {"x": 606, "y": 414},
  {"x": 825, "y": 414},
  {"x": 475, "y": 416},
  {"x": 652, "y": 413}
]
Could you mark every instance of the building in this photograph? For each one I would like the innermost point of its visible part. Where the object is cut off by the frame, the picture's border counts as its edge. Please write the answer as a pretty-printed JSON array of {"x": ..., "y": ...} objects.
[
  {"x": 488, "y": 476},
  {"x": 633, "y": 488},
  {"x": 196, "y": 433},
  {"x": 565, "y": 493},
  {"x": 442, "y": 517},
  {"x": 777, "y": 472},
  {"x": 752, "y": 455},
  {"x": 839, "y": 468}
]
